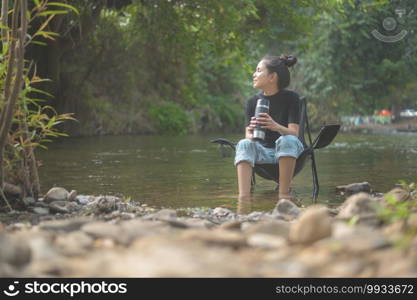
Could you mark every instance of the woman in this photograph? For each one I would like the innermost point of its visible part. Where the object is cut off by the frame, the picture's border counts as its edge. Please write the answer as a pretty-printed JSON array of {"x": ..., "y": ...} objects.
[{"x": 281, "y": 144}]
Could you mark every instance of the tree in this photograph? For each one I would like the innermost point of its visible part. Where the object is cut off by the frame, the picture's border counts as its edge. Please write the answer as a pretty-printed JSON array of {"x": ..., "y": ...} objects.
[
  {"x": 22, "y": 128},
  {"x": 354, "y": 72}
]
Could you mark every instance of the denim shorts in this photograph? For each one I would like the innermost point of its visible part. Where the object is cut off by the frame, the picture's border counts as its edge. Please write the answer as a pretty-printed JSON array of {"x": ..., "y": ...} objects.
[{"x": 255, "y": 153}]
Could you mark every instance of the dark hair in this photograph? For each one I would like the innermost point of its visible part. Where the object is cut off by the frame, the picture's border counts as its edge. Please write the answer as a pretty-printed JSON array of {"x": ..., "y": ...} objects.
[{"x": 279, "y": 65}]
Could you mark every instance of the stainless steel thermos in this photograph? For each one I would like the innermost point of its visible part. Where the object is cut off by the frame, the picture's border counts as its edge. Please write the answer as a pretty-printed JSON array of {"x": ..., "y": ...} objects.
[{"x": 262, "y": 106}]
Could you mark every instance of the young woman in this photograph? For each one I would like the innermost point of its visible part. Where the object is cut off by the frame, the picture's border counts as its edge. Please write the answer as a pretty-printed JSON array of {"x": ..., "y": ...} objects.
[{"x": 281, "y": 144}]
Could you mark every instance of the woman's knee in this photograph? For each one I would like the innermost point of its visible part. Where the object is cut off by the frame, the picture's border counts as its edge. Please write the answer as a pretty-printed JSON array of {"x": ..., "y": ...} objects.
[
  {"x": 245, "y": 144},
  {"x": 288, "y": 146},
  {"x": 287, "y": 140},
  {"x": 245, "y": 151}
]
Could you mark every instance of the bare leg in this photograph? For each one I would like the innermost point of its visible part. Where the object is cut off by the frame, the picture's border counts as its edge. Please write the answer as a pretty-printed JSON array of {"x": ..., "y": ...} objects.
[
  {"x": 286, "y": 172},
  {"x": 244, "y": 205},
  {"x": 244, "y": 175}
]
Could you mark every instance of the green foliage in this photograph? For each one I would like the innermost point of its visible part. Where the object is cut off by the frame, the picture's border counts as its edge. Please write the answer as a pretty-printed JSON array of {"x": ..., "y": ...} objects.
[
  {"x": 348, "y": 68},
  {"x": 395, "y": 210},
  {"x": 221, "y": 113},
  {"x": 199, "y": 55},
  {"x": 170, "y": 118}
]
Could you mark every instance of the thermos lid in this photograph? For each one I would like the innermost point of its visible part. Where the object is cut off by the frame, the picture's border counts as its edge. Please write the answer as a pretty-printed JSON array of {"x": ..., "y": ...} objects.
[{"x": 263, "y": 101}]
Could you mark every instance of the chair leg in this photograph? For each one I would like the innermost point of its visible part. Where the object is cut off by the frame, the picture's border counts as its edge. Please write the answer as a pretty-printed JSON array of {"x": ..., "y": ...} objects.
[{"x": 316, "y": 186}]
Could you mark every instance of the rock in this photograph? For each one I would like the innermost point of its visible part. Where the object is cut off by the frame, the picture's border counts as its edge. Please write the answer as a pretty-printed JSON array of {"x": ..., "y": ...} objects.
[
  {"x": 412, "y": 221},
  {"x": 72, "y": 195},
  {"x": 42, "y": 204},
  {"x": 395, "y": 230},
  {"x": 398, "y": 194},
  {"x": 273, "y": 227},
  {"x": 163, "y": 214},
  {"x": 127, "y": 216},
  {"x": 104, "y": 204},
  {"x": 164, "y": 256},
  {"x": 215, "y": 237},
  {"x": 360, "y": 205},
  {"x": 341, "y": 229},
  {"x": 40, "y": 210},
  {"x": 29, "y": 201},
  {"x": 362, "y": 240},
  {"x": 231, "y": 225},
  {"x": 266, "y": 241},
  {"x": 198, "y": 223},
  {"x": 74, "y": 244},
  {"x": 126, "y": 231},
  {"x": 221, "y": 212},
  {"x": 103, "y": 230},
  {"x": 18, "y": 227},
  {"x": 84, "y": 200},
  {"x": 63, "y": 207},
  {"x": 64, "y": 225},
  {"x": 354, "y": 188},
  {"x": 346, "y": 268},
  {"x": 14, "y": 251},
  {"x": 285, "y": 207},
  {"x": 255, "y": 216},
  {"x": 175, "y": 223},
  {"x": 314, "y": 224},
  {"x": 56, "y": 194},
  {"x": 393, "y": 263}
]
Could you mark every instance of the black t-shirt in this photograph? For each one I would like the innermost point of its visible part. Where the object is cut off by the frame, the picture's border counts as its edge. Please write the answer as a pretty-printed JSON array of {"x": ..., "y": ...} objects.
[{"x": 284, "y": 108}]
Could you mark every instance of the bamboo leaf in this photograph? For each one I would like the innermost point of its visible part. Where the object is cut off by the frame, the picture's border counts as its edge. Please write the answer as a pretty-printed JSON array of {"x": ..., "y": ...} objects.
[
  {"x": 53, "y": 13},
  {"x": 64, "y": 5},
  {"x": 39, "y": 43}
]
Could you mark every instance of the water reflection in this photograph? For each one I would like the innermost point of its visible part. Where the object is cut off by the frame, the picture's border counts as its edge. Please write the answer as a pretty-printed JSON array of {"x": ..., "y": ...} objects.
[{"x": 190, "y": 171}]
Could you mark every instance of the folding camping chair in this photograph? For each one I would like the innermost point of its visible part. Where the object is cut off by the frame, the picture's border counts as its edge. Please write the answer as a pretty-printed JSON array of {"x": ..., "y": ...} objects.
[{"x": 271, "y": 171}]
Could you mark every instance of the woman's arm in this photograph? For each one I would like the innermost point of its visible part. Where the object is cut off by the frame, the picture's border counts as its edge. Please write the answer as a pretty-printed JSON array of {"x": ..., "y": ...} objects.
[{"x": 267, "y": 122}]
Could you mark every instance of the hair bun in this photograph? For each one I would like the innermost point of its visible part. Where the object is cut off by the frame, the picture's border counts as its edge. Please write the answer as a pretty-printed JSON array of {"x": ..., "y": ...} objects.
[{"x": 289, "y": 60}]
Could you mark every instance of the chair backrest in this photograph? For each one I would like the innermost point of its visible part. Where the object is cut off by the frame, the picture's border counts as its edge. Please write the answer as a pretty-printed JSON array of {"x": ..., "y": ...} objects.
[{"x": 303, "y": 121}]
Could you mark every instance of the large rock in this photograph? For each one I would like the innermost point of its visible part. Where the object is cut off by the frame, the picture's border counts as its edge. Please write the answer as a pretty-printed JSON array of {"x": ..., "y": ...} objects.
[
  {"x": 63, "y": 207},
  {"x": 285, "y": 207},
  {"x": 314, "y": 224},
  {"x": 354, "y": 188},
  {"x": 359, "y": 240},
  {"x": 56, "y": 194},
  {"x": 274, "y": 227},
  {"x": 361, "y": 205},
  {"x": 14, "y": 251}
]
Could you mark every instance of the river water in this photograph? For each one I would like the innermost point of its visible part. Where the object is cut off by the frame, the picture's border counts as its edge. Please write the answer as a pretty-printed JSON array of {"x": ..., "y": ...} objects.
[{"x": 189, "y": 171}]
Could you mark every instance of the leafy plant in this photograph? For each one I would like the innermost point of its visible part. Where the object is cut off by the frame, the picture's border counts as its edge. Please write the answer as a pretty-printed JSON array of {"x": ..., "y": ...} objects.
[
  {"x": 394, "y": 209},
  {"x": 170, "y": 118},
  {"x": 24, "y": 124}
]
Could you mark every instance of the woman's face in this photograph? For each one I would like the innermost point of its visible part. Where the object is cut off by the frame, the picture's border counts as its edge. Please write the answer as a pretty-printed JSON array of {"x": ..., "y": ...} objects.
[{"x": 262, "y": 78}]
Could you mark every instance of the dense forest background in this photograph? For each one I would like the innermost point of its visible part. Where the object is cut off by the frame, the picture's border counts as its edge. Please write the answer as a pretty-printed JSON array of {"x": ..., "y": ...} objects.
[{"x": 185, "y": 66}]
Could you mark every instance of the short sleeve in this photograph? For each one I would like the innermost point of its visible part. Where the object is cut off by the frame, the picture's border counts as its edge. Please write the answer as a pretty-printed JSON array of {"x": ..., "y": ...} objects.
[{"x": 294, "y": 111}]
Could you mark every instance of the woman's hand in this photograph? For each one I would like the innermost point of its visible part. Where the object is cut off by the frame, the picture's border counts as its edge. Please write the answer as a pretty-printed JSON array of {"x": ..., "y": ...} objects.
[
  {"x": 267, "y": 122},
  {"x": 249, "y": 129}
]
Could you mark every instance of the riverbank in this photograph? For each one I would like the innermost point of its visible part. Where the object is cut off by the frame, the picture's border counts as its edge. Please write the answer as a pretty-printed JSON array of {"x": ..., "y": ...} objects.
[
  {"x": 405, "y": 126},
  {"x": 367, "y": 236}
]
